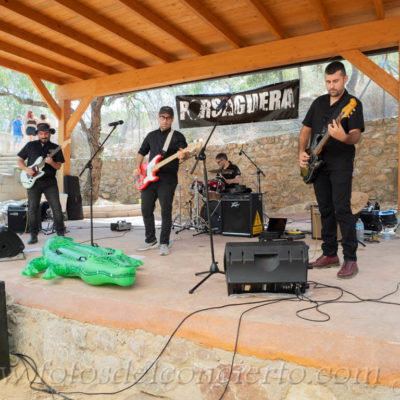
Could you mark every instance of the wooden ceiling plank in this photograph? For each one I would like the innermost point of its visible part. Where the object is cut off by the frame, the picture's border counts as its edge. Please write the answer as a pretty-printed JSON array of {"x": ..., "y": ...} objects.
[
  {"x": 39, "y": 59},
  {"x": 371, "y": 35},
  {"x": 46, "y": 95},
  {"x": 23, "y": 69},
  {"x": 272, "y": 25},
  {"x": 117, "y": 29},
  {"x": 380, "y": 12},
  {"x": 57, "y": 26},
  {"x": 158, "y": 22},
  {"x": 55, "y": 48},
  {"x": 322, "y": 13},
  {"x": 214, "y": 22},
  {"x": 373, "y": 71}
]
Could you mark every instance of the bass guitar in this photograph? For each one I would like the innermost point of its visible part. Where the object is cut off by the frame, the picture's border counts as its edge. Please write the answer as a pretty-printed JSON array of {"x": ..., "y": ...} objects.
[
  {"x": 148, "y": 171},
  {"x": 27, "y": 180},
  {"x": 315, "y": 162}
]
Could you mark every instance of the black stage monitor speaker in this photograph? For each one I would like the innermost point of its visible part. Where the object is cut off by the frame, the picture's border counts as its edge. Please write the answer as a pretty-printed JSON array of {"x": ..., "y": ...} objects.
[
  {"x": 4, "y": 350},
  {"x": 242, "y": 214},
  {"x": 275, "y": 266},
  {"x": 74, "y": 200},
  {"x": 10, "y": 243}
]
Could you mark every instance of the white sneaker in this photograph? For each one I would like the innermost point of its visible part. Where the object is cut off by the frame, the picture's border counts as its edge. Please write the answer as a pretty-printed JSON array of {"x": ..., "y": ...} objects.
[
  {"x": 147, "y": 246},
  {"x": 164, "y": 250}
]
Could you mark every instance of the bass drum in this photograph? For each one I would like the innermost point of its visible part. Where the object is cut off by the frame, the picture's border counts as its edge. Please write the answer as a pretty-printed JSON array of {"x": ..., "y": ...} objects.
[{"x": 215, "y": 215}]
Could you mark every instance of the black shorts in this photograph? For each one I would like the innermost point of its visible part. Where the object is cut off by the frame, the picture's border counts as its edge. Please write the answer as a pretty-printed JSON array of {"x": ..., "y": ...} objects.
[{"x": 30, "y": 130}]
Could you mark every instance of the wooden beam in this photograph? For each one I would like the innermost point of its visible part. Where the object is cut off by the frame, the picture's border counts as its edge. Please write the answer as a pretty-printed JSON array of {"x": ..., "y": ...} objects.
[
  {"x": 54, "y": 47},
  {"x": 398, "y": 140},
  {"x": 115, "y": 28},
  {"x": 272, "y": 25},
  {"x": 58, "y": 26},
  {"x": 368, "y": 36},
  {"x": 46, "y": 95},
  {"x": 214, "y": 22},
  {"x": 373, "y": 71},
  {"x": 77, "y": 115},
  {"x": 39, "y": 59},
  {"x": 15, "y": 66},
  {"x": 62, "y": 136},
  {"x": 380, "y": 12},
  {"x": 322, "y": 13},
  {"x": 165, "y": 26}
]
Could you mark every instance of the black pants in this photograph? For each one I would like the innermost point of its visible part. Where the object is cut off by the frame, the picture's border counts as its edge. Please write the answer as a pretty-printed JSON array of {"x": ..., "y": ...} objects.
[
  {"x": 333, "y": 192},
  {"x": 50, "y": 190},
  {"x": 164, "y": 192}
]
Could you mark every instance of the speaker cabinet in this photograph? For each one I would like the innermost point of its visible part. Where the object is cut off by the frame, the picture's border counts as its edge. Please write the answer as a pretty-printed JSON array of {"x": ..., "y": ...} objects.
[
  {"x": 242, "y": 214},
  {"x": 10, "y": 243},
  {"x": 4, "y": 350},
  {"x": 316, "y": 224},
  {"x": 274, "y": 266},
  {"x": 74, "y": 200},
  {"x": 17, "y": 218}
]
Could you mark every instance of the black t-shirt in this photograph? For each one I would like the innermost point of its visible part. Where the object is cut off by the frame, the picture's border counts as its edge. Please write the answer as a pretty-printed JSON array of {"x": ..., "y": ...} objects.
[
  {"x": 236, "y": 172},
  {"x": 154, "y": 143},
  {"x": 336, "y": 154},
  {"x": 32, "y": 150}
]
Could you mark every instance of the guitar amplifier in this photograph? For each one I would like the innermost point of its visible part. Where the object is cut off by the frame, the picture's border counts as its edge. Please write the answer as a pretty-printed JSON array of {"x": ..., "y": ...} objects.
[
  {"x": 18, "y": 218},
  {"x": 242, "y": 214}
]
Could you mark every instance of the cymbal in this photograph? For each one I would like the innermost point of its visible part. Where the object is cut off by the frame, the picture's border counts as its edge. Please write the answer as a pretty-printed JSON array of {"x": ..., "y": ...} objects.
[{"x": 220, "y": 171}]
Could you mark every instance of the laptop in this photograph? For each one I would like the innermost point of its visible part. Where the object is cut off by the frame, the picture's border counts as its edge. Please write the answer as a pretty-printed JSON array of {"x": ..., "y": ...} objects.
[{"x": 276, "y": 226}]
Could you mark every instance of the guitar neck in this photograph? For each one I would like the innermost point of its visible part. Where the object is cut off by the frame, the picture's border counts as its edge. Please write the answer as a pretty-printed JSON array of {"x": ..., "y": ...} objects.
[
  {"x": 52, "y": 153},
  {"x": 164, "y": 162},
  {"x": 317, "y": 149}
]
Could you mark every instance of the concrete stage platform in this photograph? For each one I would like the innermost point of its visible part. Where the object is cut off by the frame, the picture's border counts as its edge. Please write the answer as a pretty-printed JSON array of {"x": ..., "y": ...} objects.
[{"x": 359, "y": 337}]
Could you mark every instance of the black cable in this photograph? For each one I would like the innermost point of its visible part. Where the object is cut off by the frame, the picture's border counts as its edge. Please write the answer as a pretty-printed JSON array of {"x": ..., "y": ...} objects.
[{"x": 106, "y": 237}]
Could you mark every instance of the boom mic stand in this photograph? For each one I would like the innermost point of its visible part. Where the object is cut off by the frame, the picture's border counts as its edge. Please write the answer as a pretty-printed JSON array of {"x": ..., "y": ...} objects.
[
  {"x": 202, "y": 156},
  {"x": 89, "y": 166},
  {"x": 259, "y": 171}
]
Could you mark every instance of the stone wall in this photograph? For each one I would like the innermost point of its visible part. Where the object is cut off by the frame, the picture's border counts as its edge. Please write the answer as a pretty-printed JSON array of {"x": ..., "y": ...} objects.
[
  {"x": 375, "y": 169},
  {"x": 73, "y": 356}
]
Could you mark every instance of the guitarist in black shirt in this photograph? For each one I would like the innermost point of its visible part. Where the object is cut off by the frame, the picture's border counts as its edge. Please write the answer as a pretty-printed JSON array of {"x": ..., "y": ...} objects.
[
  {"x": 46, "y": 184},
  {"x": 332, "y": 184}
]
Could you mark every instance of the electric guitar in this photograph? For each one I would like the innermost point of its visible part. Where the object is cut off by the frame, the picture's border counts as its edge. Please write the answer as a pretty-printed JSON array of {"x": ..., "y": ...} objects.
[
  {"x": 315, "y": 162},
  {"x": 148, "y": 171},
  {"x": 27, "y": 180}
]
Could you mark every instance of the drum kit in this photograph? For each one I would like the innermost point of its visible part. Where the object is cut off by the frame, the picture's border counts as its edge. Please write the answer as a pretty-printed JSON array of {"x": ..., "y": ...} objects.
[{"x": 197, "y": 212}]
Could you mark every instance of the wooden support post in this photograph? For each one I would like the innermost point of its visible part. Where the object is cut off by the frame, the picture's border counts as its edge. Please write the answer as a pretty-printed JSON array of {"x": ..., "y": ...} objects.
[
  {"x": 63, "y": 135},
  {"x": 398, "y": 127}
]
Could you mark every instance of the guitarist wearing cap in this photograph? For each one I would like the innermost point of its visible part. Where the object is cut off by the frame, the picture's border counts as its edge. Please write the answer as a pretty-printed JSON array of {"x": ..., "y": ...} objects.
[
  {"x": 164, "y": 142},
  {"x": 333, "y": 179},
  {"x": 47, "y": 183}
]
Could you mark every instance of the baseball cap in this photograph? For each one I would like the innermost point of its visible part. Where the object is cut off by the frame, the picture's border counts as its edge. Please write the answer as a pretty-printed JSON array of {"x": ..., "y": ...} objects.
[{"x": 166, "y": 110}]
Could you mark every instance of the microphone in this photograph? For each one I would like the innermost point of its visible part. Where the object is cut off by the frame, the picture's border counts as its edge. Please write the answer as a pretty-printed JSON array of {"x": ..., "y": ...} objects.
[
  {"x": 120, "y": 122},
  {"x": 241, "y": 151},
  {"x": 223, "y": 102}
]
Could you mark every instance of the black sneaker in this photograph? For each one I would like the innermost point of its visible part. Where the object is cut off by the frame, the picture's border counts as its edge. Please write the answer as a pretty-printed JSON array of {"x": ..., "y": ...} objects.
[{"x": 33, "y": 239}]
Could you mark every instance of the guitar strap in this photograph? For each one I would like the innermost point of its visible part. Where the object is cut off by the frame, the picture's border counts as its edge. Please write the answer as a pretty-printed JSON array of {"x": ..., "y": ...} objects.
[{"x": 167, "y": 141}]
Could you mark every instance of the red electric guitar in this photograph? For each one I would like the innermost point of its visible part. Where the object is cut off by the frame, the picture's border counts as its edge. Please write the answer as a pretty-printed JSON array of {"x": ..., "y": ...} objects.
[{"x": 148, "y": 171}]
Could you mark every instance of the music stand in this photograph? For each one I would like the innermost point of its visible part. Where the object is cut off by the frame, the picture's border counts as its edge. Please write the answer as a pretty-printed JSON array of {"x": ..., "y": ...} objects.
[
  {"x": 90, "y": 167},
  {"x": 202, "y": 156}
]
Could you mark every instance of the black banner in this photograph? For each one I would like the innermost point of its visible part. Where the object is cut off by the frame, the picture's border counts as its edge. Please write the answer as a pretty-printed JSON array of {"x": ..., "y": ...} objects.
[{"x": 268, "y": 103}]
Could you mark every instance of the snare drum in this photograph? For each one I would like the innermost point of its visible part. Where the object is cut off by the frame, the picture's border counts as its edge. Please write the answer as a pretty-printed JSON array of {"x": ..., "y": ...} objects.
[
  {"x": 197, "y": 184},
  {"x": 216, "y": 185}
]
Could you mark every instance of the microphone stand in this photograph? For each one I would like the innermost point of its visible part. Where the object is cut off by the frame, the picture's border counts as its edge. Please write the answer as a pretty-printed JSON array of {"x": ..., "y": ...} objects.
[
  {"x": 259, "y": 171},
  {"x": 89, "y": 166},
  {"x": 202, "y": 156}
]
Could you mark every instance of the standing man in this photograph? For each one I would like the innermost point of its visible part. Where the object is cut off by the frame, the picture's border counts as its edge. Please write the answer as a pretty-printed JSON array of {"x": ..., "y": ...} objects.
[
  {"x": 17, "y": 134},
  {"x": 232, "y": 178},
  {"x": 333, "y": 181},
  {"x": 46, "y": 184},
  {"x": 156, "y": 142}
]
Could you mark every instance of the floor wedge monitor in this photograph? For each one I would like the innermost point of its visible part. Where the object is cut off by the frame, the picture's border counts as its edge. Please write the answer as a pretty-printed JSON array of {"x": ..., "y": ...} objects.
[{"x": 274, "y": 266}]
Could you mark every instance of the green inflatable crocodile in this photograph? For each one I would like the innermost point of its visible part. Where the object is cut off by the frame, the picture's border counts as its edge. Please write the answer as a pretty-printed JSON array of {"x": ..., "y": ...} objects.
[{"x": 94, "y": 265}]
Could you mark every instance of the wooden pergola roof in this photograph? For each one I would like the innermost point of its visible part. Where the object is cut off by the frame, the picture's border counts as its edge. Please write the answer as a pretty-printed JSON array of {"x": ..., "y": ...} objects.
[{"x": 91, "y": 48}]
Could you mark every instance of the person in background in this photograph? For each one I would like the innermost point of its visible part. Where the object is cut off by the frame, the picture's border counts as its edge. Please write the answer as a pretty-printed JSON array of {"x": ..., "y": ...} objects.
[
  {"x": 232, "y": 178},
  {"x": 30, "y": 125},
  {"x": 17, "y": 134}
]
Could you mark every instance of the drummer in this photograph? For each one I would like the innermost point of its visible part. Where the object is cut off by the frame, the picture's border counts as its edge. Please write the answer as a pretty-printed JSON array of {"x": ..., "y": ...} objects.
[{"x": 232, "y": 178}]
